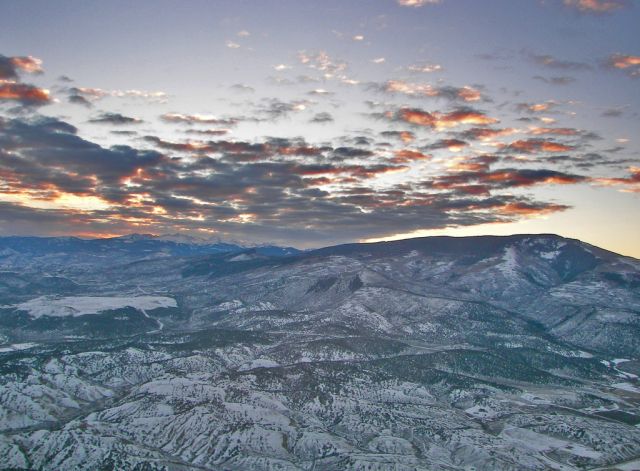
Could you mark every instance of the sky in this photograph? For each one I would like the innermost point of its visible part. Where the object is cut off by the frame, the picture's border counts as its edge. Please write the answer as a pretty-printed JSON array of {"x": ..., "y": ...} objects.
[{"x": 310, "y": 123}]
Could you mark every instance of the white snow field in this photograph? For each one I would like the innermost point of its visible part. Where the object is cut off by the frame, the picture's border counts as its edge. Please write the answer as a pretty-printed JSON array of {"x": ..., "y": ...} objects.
[{"x": 74, "y": 306}]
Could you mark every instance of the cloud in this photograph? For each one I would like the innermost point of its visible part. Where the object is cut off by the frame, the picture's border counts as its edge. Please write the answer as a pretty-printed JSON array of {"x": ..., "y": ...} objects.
[
  {"x": 529, "y": 146},
  {"x": 274, "y": 108},
  {"x": 13, "y": 90},
  {"x": 537, "y": 131},
  {"x": 321, "y": 118},
  {"x": 484, "y": 181},
  {"x": 612, "y": 113},
  {"x": 425, "y": 68},
  {"x": 47, "y": 155},
  {"x": 270, "y": 188},
  {"x": 242, "y": 88},
  {"x": 404, "y": 136},
  {"x": 320, "y": 92},
  {"x": 628, "y": 184},
  {"x": 408, "y": 155},
  {"x": 95, "y": 94},
  {"x": 595, "y": 6},
  {"x": 627, "y": 63},
  {"x": 536, "y": 107},
  {"x": 79, "y": 100},
  {"x": 323, "y": 62},
  {"x": 465, "y": 94},
  {"x": 453, "y": 145},
  {"x": 557, "y": 80},
  {"x": 10, "y": 67},
  {"x": 417, "y": 3},
  {"x": 486, "y": 134},
  {"x": 114, "y": 118},
  {"x": 209, "y": 132},
  {"x": 552, "y": 62},
  {"x": 24, "y": 94},
  {"x": 197, "y": 119},
  {"x": 438, "y": 120}
]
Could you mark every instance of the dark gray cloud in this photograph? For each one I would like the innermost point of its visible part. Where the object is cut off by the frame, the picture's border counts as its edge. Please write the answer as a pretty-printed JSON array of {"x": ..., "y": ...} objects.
[
  {"x": 322, "y": 118},
  {"x": 242, "y": 88},
  {"x": 269, "y": 189},
  {"x": 550, "y": 62},
  {"x": 612, "y": 113},
  {"x": 273, "y": 108},
  {"x": 79, "y": 100},
  {"x": 556, "y": 80},
  {"x": 114, "y": 118}
]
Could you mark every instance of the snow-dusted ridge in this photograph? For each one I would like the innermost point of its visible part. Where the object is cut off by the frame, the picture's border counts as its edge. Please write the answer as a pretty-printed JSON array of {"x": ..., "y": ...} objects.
[{"x": 449, "y": 354}]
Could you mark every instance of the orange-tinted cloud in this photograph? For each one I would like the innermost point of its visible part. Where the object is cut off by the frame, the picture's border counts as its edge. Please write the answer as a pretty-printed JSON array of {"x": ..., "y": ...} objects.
[
  {"x": 531, "y": 177},
  {"x": 595, "y": 6},
  {"x": 538, "y": 131},
  {"x": 466, "y": 93},
  {"x": 407, "y": 136},
  {"x": 630, "y": 183},
  {"x": 486, "y": 134},
  {"x": 530, "y": 146},
  {"x": 407, "y": 155},
  {"x": 23, "y": 93},
  {"x": 10, "y": 66},
  {"x": 417, "y": 3},
  {"x": 469, "y": 94},
  {"x": 28, "y": 64},
  {"x": 404, "y": 136},
  {"x": 439, "y": 120},
  {"x": 621, "y": 61},
  {"x": 536, "y": 107},
  {"x": 502, "y": 178},
  {"x": 530, "y": 209},
  {"x": 627, "y": 63},
  {"x": 453, "y": 145}
]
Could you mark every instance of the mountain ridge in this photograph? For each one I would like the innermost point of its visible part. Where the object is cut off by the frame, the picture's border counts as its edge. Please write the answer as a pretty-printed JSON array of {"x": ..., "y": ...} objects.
[{"x": 503, "y": 353}]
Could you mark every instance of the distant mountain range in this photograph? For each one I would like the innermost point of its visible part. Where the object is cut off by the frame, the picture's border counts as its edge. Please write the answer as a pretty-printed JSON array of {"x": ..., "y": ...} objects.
[
  {"x": 163, "y": 353},
  {"x": 66, "y": 252}
]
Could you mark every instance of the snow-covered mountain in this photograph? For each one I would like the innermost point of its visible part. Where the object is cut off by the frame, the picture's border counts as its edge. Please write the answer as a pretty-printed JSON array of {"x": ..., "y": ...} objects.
[{"x": 444, "y": 353}]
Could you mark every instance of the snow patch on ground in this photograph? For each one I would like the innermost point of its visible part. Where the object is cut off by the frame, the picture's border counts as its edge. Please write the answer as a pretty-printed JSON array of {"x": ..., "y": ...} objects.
[
  {"x": 569, "y": 353},
  {"x": 509, "y": 264},
  {"x": 17, "y": 346},
  {"x": 626, "y": 387},
  {"x": 228, "y": 305},
  {"x": 549, "y": 255},
  {"x": 544, "y": 443},
  {"x": 73, "y": 306},
  {"x": 241, "y": 258},
  {"x": 481, "y": 412}
]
